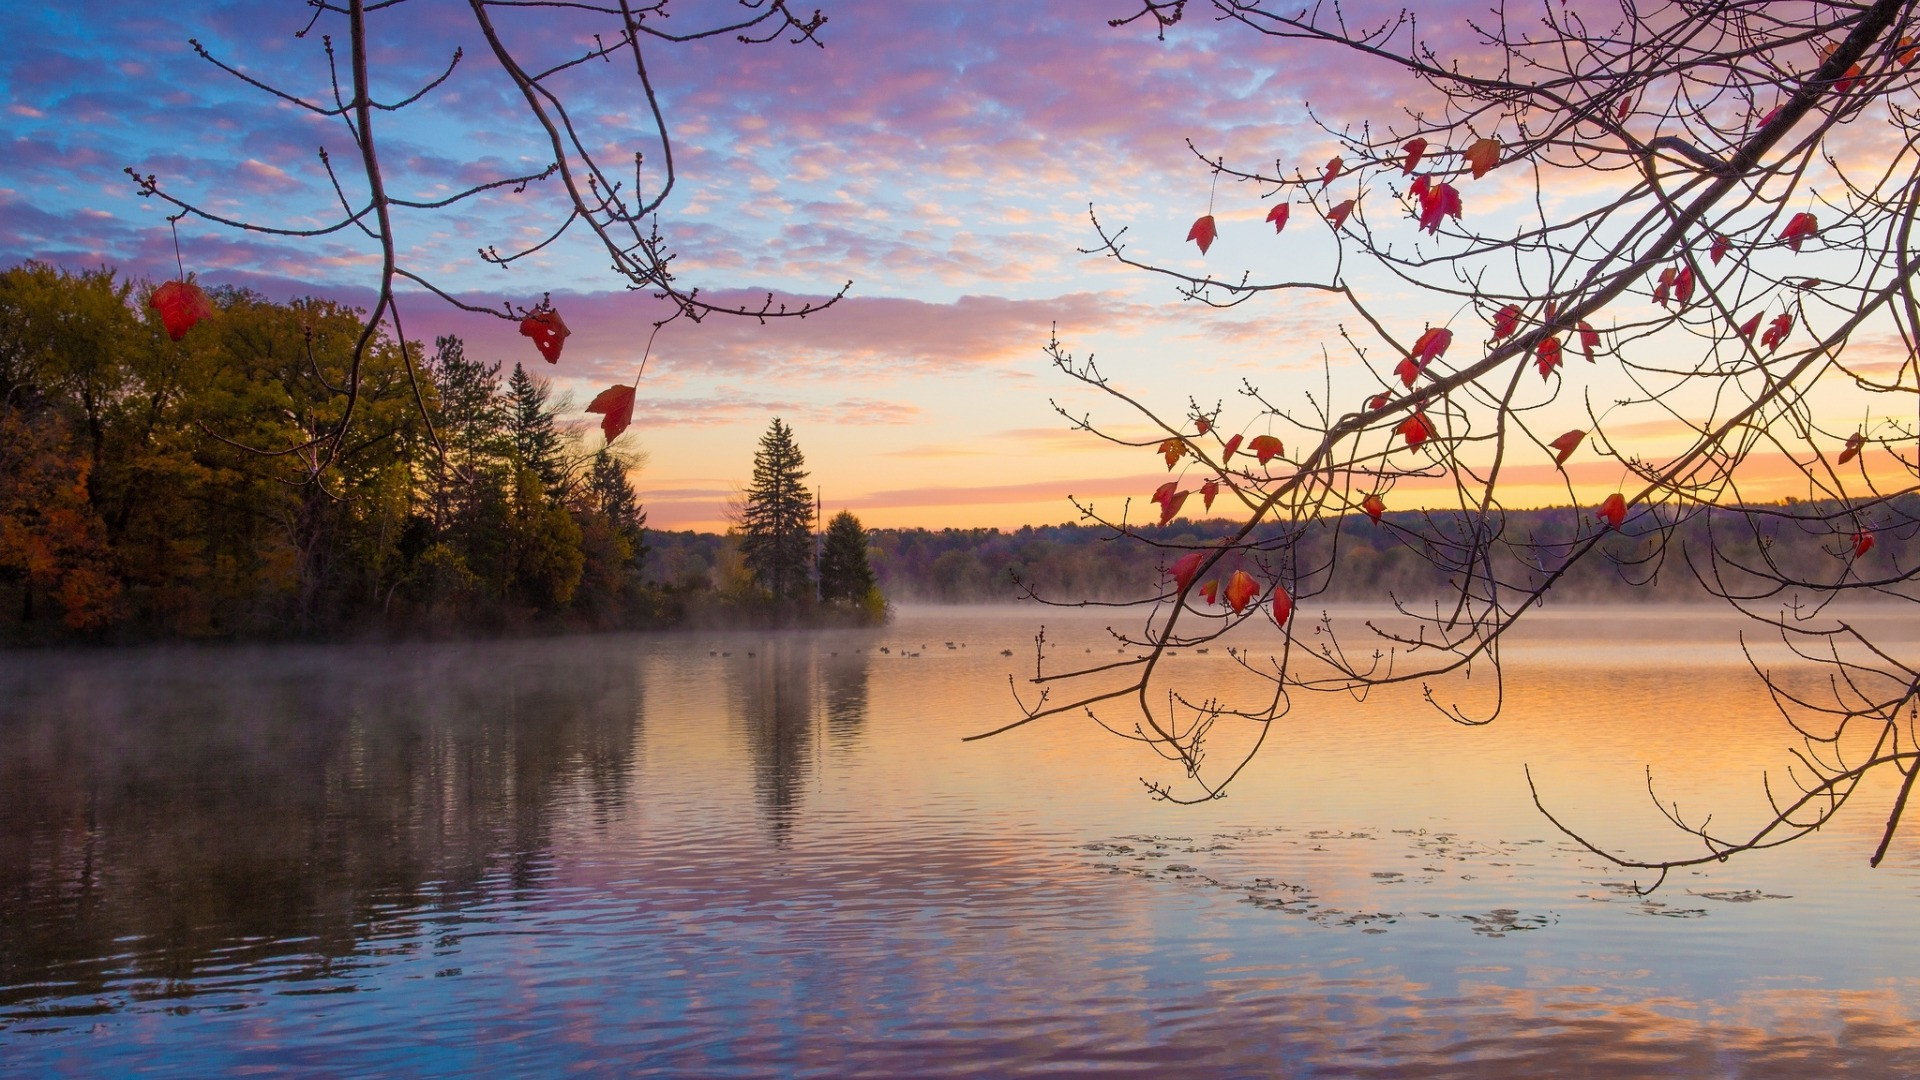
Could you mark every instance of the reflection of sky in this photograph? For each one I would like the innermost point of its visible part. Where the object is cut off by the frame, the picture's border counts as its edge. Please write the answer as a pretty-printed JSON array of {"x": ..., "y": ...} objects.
[
  {"x": 536, "y": 855},
  {"x": 942, "y": 157}
]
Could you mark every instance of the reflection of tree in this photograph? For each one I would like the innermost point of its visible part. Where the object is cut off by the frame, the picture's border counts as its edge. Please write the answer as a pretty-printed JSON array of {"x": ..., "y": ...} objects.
[
  {"x": 843, "y": 679},
  {"x": 773, "y": 702},
  {"x": 291, "y": 796}
]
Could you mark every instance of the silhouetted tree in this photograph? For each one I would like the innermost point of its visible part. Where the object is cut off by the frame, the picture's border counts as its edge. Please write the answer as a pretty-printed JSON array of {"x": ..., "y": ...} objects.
[
  {"x": 844, "y": 574},
  {"x": 777, "y": 521}
]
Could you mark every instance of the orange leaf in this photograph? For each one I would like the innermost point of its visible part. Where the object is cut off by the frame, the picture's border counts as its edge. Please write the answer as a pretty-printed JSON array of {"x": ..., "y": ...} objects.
[
  {"x": 1854, "y": 442},
  {"x": 1912, "y": 52},
  {"x": 1565, "y": 445},
  {"x": 1207, "y": 492},
  {"x": 615, "y": 406},
  {"x": 1373, "y": 507},
  {"x": 1241, "y": 589},
  {"x": 1614, "y": 511},
  {"x": 1506, "y": 321},
  {"x": 1186, "y": 568},
  {"x": 1338, "y": 215},
  {"x": 1210, "y": 592},
  {"x": 1203, "y": 232},
  {"x": 1415, "y": 429},
  {"x": 1799, "y": 228},
  {"x": 1265, "y": 447},
  {"x": 1589, "y": 339},
  {"x": 1232, "y": 445},
  {"x": 180, "y": 304},
  {"x": 1282, "y": 606},
  {"x": 1415, "y": 148},
  {"x": 1332, "y": 172},
  {"x": 549, "y": 333},
  {"x": 1278, "y": 215},
  {"x": 1661, "y": 290},
  {"x": 1173, "y": 450},
  {"x": 1845, "y": 82},
  {"x": 1483, "y": 155}
]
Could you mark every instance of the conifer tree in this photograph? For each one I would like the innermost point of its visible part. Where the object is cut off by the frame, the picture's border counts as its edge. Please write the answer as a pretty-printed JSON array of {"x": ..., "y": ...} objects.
[
  {"x": 613, "y": 495},
  {"x": 844, "y": 572},
  {"x": 536, "y": 441},
  {"x": 777, "y": 525}
]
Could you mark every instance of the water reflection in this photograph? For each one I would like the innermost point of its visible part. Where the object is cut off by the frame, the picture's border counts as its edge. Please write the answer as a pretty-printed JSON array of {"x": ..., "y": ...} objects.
[
  {"x": 777, "y": 692},
  {"x": 181, "y": 810}
]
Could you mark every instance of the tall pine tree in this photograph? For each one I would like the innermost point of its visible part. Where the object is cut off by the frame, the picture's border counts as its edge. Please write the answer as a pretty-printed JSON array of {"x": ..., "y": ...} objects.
[
  {"x": 536, "y": 441},
  {"x": 777, "y": 525},
  {"x": 613, "y": 495},
  {"x": 844, "y": 572}
]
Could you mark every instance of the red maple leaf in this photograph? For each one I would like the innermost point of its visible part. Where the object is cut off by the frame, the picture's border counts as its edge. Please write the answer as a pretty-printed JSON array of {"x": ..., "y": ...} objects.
[
  {"x": 1265, "y": 447},
  {"x": 615, "y": 406},
  {"x": 1186, "y": 568},
  {"x": 1546, "y": 354},
  {"x": 1431, "y": 344},
  {"x": 1373, "y": 507},
  {"x": 1203, "y": 232},
  {"x": 1232, "y": 445},
  {"x": 1170, "y": 505},
  {"x": 1845, "y": 82},
  {"x": 1408, "y": 369},
  {"x": 1210, "y": 592},
  {"x": 1747, "y": 328},
  {"x": 1720, "y": 247},
  {"x": 1338, "y": 215},
  {"x": 1421, "y": 185},
  {"x": 1377, "y": 401},
  {"x": 1854, "y": 442},
  {"x": 1202, "y": 424},
  {"x": 1241, "y": 589},
  {"x": 1173, "y": 450},
  {"x": 180, "y": 304},
  {"x": 1282, "y": 606},
  {"x": 1506, "y": 321},
  {"x": 1621, "y": 110},
  {"x": 1614, "y": 511},
  {"x": 1589, "y": 339},
  {"x": 1777, "y": 331},
  {"x": 549, "y": 333},
  {"x": 1278, "y": 215},
  {"x": 1332, "y": 172},
  {"x": 1862, "y": 543},
  {"x": 1661, "y": 290},
  {"x": 1683, "y": 285},
  {"x": 1565, "y": 445},
  {"x": 1415, "y": 148},
  {"x": 1436, "y": 204},
  {"x": 1799, "y": 228},
  {"x": 1207, "y": 492},
  {"x": 1415, "y": 429}
]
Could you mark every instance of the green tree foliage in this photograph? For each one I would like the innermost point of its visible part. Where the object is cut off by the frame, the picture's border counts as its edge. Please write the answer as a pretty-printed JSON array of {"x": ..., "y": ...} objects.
[
  {"x": 777, "y": 522},
  {"x": 134, "y": 502},
  {"x": 845, "y": 576}
]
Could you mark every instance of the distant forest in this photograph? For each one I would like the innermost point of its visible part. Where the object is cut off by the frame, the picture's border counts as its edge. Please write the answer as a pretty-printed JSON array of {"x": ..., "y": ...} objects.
[{"x": 1403, "y": 556}]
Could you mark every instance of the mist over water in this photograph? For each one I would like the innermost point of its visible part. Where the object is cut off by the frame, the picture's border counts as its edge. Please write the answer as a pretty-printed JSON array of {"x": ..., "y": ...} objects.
[{"x": 758, "y": 853}]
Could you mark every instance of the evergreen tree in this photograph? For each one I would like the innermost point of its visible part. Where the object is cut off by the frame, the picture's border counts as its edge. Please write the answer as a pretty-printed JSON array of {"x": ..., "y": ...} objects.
[
  {"x": 613, "y": 496},
  {"x": 844, "y": 573},
  {"x": 777, "y": 525},
  {"x": 536, "y": 441}
]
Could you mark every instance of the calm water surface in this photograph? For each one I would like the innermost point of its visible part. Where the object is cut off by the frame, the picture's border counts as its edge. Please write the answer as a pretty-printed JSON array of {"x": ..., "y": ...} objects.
[{"x": 770, "y": 854}]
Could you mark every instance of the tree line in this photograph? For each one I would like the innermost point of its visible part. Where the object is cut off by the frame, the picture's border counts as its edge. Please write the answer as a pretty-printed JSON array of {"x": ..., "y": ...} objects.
[{"x": 135, "y": 503}]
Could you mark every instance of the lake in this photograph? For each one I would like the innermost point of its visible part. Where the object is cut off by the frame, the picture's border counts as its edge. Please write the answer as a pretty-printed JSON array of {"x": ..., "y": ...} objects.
[{"x": 751, "y": 854}]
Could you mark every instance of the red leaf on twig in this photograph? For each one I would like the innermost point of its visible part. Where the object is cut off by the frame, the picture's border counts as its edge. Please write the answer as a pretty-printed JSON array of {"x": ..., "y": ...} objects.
[
  {"x": 1415, "y": 148},
  {"x": 1777, "y": 331},
  {"x": 1278, "y": 215},
  {"x": 180, "y": 304},
  {"x": 1565, "y": 445},
  {"x": 1546, "y": 354},
  {"x": 1720, "y": 246},
  {"x": 544, "y": 325},
  {"x": 1203, "y": 232},
  {"x": 1232, "y": 445},
  {"x": 1589, "y": 339},
  {"x": 1186, "y": 567},
  {"x": 1415, "y": 429},
  {"x": 1373, "y": 507},
  {"x": 1799, "y": 228},
  {"x": 1332, "y": 171},
  {"x": 1282, "y": 606},
  {"x": 1747, "y": 328},
  {"x": 1862, "y": 543},
  {"x": 1266, "y": 448},
  {"x": 1854, "y": 442},
  {"x": 1241, "y": 589},
  {"x": 1338, "y": 215},
  {"x": 1210, "y": 592},
  {"x": 615, "y": 406},
  {"x": 1207, "y": 492},
  {"x": 1436, "y": 204},
  {"x": 1506, "y": 321},
  {"x": 1173, "y": 450},
  {"x": 1614, "y": 511}
]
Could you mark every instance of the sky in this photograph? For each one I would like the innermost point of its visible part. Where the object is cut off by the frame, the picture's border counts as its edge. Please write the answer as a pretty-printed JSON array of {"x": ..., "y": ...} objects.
[{"x": 942, "y": 157}]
